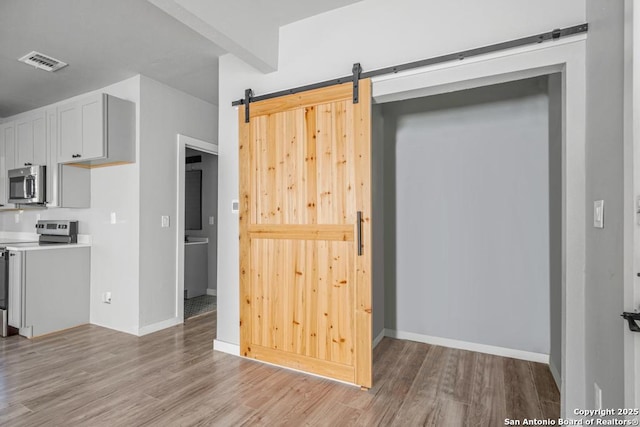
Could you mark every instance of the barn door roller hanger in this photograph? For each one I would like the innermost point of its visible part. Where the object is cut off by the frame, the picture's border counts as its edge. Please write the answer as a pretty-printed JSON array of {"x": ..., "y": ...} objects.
[{"x": 357, "y": 73}]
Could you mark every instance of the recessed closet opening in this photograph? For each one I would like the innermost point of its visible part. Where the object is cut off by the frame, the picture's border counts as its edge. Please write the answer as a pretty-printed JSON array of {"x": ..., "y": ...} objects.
[{"x": 468, "y": 225}]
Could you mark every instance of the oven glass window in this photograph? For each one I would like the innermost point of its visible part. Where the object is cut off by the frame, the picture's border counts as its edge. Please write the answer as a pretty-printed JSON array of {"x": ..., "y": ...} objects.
[{"x": 16, "y": 188}]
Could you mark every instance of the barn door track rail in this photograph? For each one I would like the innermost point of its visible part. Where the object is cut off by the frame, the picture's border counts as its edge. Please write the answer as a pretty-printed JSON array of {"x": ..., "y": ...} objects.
[{"x": 358, "y": 74}]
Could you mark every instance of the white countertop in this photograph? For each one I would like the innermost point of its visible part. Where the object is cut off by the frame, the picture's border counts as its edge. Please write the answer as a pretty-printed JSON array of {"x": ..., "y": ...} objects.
[
  {"x": 21, "y": 241},
  {"x": 194, "y": 240},
  {"x": 19, "y": 236},
  {"x": 35, "y": 246}
]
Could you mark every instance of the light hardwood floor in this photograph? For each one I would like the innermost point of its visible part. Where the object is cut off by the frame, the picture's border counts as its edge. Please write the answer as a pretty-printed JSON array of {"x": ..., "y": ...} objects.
[{"x": 94, "y": 376}]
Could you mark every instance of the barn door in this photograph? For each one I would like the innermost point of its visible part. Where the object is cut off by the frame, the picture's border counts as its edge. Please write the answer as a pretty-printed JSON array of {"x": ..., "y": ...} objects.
[{"x": 305, "y": 232}]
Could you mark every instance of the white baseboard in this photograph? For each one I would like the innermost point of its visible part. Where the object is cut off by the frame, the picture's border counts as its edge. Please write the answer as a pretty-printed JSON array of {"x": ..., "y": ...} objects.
[
  {"x": 213, "y": 292},
  {"x": 378, "y": 338},
  {"x": 463, "y": 345},
  {"x": 155, "y": 327},
  {"x": 130, "y": 331},
  {"x": 226, "y": 347},
  {"x": 555, "y": 374}
]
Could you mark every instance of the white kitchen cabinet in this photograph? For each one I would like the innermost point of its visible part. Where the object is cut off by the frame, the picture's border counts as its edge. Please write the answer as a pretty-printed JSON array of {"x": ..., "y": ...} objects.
[
  {"x": 53, "y": 178},
  {"x": 31, "y": 139},
  {"x": 8, "y": 153},
  {"x": 68, "y": 186},
  {"x": 196, "y": 270},
  {"x": 69, "y": 131},
  {"x": 49, "y": 289},
  {"x": 95, "y": 130},
  {"x": 16, "y": 290}
]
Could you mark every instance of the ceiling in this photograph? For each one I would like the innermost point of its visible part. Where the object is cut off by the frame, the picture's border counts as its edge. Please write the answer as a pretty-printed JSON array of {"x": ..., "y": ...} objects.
[{"x": 106, "y": 41}]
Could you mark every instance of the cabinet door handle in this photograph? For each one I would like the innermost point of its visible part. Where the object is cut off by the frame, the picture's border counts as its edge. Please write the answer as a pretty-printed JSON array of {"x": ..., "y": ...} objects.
[
  {"x": 75, "y": 156},
  {"x": 27, "y": 164}
]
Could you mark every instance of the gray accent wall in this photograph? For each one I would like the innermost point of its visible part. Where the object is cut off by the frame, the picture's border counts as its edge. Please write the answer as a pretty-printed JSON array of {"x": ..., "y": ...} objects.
[
  {"x": 604, "y": 181},
  {"x": 378, "y": 205},
  {"x": 470, "y": 217}
]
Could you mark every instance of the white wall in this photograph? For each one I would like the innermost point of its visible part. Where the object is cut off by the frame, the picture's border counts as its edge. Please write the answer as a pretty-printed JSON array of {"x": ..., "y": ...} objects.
[
  {"x": 165, "y": 112},
  {"x": 471, "y": 216},
  {"x": 114, "y": 251},
  {"x": 604, "y": 247},
  {"x": 375, "y": 33}
]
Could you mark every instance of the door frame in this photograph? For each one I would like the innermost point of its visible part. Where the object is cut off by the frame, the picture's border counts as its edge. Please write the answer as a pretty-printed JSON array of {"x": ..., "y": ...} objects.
[
  {"x": 184, "y": 142},
  {"x": 566, "y": 57},
  {"x": 631, "y": 233}
]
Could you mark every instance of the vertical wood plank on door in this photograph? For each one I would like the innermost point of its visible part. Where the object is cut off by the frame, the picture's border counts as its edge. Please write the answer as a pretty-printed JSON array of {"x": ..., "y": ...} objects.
[
  {"x": 349, "y": 186},
  {"x": 323, "y": 297},
  {"x": 310, "y": 170},
  {"x": 279, "y": 145},
  {"x": 363, "y": 303},
  {"x": 277, "y": 295},
  {"x": 325, "y": 165},
  {"x": 298, "y": 327},
  {"x": 339, "y": 147},
  {"x": 257, "y": 296},
  {"x": 312, "y": 299},
  {"x": 245, "y": 150},
  {"x": 271, "y": 153}
]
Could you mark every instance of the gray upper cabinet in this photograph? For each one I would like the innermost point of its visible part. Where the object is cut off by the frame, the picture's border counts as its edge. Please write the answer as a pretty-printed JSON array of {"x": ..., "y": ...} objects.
[
  {"x": 31, "y": 139},
  {"x": 96, "y": 130}
]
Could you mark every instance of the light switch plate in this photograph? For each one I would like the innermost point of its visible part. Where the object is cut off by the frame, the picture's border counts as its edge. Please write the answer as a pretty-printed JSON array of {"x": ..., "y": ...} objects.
[
  {"x": 235, "y": 206},
  {"x": 164, "y": 221},
  {"x": 112, "y": 218},
  {"x": 212, "y": 220},
  {"x": 598, "y": 214}
]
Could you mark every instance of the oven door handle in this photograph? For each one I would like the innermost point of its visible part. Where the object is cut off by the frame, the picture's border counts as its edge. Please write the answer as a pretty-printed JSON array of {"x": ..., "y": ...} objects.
[{"x": 30, "y": 187}]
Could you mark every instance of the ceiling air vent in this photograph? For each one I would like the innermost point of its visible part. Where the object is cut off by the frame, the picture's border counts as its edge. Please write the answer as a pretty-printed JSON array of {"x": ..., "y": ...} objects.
[{"x": 43, "y": 62}]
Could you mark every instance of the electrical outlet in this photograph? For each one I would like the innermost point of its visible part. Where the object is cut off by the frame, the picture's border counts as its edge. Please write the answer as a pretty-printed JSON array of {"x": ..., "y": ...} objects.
[
  {"x": 106, "y": 297},
  {"x": 16, "y": 218},
  {"x": 164, "y": 221},
  {"x": 112, "y": 218},
  {"x": 597, "y": 396},
  {"x": 212, "y": 220}
]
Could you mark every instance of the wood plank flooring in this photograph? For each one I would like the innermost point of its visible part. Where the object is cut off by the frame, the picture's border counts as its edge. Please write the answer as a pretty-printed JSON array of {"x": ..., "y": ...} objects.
[{"x": 92, "y": 376}]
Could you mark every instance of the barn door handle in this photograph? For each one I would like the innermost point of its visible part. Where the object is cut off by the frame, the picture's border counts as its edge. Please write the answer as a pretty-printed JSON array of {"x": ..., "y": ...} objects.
[
  {"x": 631, "y": 318},
  {"x": 359, "y": 228}
]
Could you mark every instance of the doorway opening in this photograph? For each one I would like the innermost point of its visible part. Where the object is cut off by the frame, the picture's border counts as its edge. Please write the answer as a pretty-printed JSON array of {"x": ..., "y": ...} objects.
[{"x": 197, "y": 236}]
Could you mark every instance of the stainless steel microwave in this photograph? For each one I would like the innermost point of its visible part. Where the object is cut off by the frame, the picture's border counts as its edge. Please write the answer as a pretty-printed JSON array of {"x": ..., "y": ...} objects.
[{"x": 28, "y": 186}]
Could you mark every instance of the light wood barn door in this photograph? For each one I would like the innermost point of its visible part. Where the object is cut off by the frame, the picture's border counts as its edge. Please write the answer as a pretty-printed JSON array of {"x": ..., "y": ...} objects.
[{"x": 305, "y": 288}]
